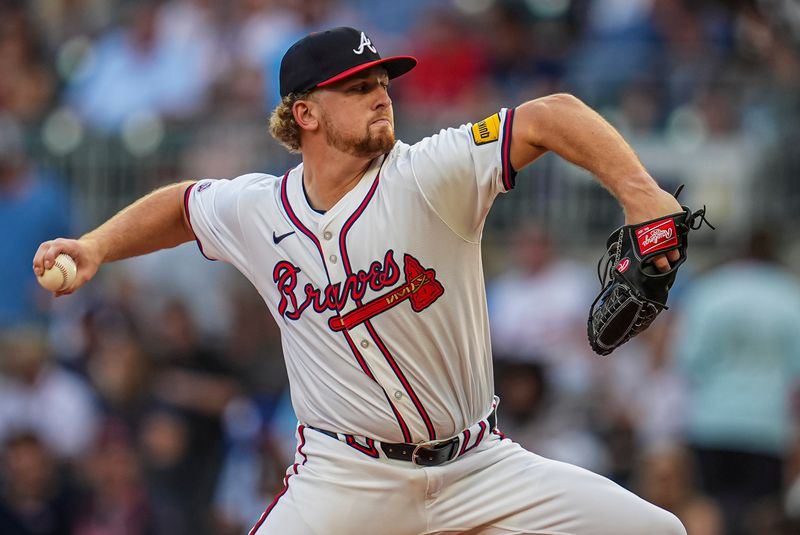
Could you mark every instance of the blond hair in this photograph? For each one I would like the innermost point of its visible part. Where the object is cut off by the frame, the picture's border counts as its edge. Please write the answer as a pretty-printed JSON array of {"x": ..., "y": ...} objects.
[{"x": 282, "y": 125}]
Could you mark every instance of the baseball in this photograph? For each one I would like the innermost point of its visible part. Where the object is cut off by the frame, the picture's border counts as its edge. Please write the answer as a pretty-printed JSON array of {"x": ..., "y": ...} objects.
[{"x": 61, "y": 276}]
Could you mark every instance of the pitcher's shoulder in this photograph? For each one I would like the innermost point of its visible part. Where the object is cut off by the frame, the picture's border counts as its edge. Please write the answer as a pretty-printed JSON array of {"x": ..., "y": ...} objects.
[{"x": 257, "y": 181}]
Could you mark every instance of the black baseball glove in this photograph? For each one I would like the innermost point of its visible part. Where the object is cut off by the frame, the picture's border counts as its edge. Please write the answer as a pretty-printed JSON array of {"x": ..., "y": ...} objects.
[{"x": 633, "y": 290}]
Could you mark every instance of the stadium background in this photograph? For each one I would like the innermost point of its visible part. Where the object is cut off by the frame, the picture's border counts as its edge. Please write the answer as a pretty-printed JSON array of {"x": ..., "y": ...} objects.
[{"x": 154, "y": 400}]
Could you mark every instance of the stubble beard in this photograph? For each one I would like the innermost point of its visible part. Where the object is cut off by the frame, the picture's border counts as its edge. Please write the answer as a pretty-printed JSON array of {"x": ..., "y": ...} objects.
[{"x": 366, "y": 146}]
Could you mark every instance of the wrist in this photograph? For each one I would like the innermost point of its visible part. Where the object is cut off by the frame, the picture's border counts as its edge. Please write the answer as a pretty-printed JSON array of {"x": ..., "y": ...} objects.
[
  {"x": 94, "y": 248},
  {"x": 637, "y": 189},
  {"x": 646, "y": 203}
]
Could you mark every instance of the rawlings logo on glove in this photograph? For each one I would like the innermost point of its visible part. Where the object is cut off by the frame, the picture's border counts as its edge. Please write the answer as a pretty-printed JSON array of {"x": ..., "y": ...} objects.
[
  {"x": 633, "y": 290},
  {"x": 650, "y": 237}
]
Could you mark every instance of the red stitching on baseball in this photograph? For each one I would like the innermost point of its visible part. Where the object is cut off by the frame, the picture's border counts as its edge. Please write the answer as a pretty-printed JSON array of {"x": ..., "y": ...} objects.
[{"x": 63, "y": 269}]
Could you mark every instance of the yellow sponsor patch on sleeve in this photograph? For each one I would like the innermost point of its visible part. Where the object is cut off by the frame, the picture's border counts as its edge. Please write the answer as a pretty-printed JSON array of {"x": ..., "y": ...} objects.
[{"x": 487, "y": 130}]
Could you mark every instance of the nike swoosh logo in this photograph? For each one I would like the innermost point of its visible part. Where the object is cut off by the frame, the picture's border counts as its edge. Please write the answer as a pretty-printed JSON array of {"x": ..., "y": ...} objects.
[{"x": 277, "y": 239}]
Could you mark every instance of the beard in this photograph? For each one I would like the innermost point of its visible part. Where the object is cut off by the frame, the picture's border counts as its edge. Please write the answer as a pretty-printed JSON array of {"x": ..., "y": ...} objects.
[{"x": 367, "y": 146}]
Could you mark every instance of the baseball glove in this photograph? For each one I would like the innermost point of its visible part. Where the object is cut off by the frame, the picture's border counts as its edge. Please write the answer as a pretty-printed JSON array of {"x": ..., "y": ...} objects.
[{"x": 633, "y": 290}]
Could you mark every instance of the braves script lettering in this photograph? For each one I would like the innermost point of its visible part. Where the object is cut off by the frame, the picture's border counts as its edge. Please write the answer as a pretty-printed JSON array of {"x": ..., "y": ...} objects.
[{"x": 333, "y": 296}]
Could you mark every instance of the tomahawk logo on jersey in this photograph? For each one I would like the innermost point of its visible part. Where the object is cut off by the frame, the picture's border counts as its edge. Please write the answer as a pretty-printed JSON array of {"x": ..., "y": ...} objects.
[{"x": 384, "y": 331}]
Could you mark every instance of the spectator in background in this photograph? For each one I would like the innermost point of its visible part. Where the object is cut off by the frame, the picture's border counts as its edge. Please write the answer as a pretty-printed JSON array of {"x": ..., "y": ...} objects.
[
  {"x": 643, "y": 398},
  {"x": 696, "y": 41},
  {"x": 537, "y": 311},
  {"x": 118, "y": 369},
  {"x": 34, "y": 499},
  {"x": 138, "y": 70},
  {"x": 260, "y": 40},
  {"x": 26, "y": 84},
  {"x": 31, "y": 207},
  {"x": 38, "y": 395},
  {"x": 666, "y": 477},
  {"x": 394, "y": 17},
  {"x": 264, "y": 29},
  {"x": 202, "y": 285},
  {"x": 114, "y": 501},
  {"x": 527, "y": 56},
  {"x": 195, "y": 27},
  {"x": 252, "y": 473},
  {"x": 537, "y": 314},
  {"x": 539, "y": 418},
  {"x": 739, "y": 346},
  {"x": 60, "y": 20},
  {"x": 619, "y": 43},
  {"x": 451, "y": 74},
  {"x": 163, "y": 437},
  {"x": 193, "y": 381}
]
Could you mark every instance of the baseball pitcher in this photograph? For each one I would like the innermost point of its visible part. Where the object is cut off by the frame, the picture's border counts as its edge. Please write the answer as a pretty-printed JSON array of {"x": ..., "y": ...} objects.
[{"x": 368, "y": 256}]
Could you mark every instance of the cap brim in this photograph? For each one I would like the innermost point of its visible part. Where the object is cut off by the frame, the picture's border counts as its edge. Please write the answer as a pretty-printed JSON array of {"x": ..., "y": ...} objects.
[{"x": 395, "y": 66}]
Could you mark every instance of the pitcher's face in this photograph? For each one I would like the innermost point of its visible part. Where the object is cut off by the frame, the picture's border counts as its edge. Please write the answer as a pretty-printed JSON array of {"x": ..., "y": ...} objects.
[{"x": 356, "y": 114}]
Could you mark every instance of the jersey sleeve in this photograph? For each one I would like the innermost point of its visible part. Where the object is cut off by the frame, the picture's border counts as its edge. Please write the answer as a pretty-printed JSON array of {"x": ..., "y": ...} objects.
[
  {"x": 212, "y": 209},
  {"x": 461, "y": 170}
]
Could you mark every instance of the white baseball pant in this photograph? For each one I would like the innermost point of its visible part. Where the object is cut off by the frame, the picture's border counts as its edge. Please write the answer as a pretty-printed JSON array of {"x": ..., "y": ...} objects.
[{"x": 497, "y": 488}]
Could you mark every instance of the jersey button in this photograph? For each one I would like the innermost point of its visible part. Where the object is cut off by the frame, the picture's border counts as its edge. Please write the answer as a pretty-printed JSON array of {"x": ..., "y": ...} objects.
[
  {"x": 364, "y": 344},
  {"x": 332, "y": 258},
  {"x": 327, "y": 235},
  {"x": 398, "y": 394}
]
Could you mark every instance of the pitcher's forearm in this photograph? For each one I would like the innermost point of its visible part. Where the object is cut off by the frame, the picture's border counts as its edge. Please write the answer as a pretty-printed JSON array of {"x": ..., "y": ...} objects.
[{"x": 154, "y": 222}]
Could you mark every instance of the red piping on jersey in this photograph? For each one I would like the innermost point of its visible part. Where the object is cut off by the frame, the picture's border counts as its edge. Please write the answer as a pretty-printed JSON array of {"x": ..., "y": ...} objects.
[
  {"x": 403, "y": 426},
  {"x": 509, "y": 174},
  {"x": 406, "y": 385},
  {"x": 369, "y": 449},
  {"x": 383, "y": 349},
  {"x": 296, "y": 221},
  {"x": 466, "y": 440},
  {"x": 272, "y": 505},
  {"x": 359, "y": 358},
  {"x": 366, "y": 370},
  {"x": 189, "y": 220},
  {"x": 478, "y": 439}
]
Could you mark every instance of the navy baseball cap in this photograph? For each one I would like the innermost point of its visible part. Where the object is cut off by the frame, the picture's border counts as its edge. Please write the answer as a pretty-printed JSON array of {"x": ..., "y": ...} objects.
[{"x": 322, "y": 58}]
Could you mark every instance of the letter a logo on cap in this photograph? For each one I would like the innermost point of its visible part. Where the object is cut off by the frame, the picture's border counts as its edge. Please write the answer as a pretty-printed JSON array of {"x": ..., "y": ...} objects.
[{"x": 365, "y": 42}]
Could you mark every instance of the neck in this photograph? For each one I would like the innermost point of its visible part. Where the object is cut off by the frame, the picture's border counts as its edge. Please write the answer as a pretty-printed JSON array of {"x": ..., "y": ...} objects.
[{"x": 329, "y": 177}]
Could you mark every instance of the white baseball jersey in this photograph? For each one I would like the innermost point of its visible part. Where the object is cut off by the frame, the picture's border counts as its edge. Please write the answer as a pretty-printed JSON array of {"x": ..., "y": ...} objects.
[
  {"x": 385, "y": 333},
  {"x": 381, "y": 299}
]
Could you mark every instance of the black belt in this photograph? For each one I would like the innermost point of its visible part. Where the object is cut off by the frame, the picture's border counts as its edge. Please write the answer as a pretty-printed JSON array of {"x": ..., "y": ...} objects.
[{"x": 425, "y": 454}]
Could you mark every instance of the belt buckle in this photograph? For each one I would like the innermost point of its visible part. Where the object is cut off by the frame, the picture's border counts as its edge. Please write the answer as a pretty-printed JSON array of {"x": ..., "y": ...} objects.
[
  {"x": 427, "y": 446},
  {"x": 415, "y": 453}
]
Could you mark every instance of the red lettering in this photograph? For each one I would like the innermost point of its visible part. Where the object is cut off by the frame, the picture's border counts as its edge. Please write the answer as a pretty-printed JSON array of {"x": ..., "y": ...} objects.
[
  {"x": 333, "y": 296},
  {"x": 391, "y": 272},
  {"x": 285, "y": 277}
]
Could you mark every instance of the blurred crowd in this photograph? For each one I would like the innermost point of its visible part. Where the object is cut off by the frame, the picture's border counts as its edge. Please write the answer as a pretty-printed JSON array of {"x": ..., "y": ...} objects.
[{"x": 155, "y": 400}]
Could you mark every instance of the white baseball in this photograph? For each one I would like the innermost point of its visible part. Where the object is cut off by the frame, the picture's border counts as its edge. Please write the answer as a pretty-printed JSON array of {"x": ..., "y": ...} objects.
[{"x": 61, "y": 276}]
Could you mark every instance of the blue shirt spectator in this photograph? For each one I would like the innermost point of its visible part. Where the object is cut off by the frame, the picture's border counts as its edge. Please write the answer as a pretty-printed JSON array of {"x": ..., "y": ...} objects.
[
  {"x": 739, "y": 345},
  {"x": 137, "y": 69},
  {"x": 32, "y": 210}
]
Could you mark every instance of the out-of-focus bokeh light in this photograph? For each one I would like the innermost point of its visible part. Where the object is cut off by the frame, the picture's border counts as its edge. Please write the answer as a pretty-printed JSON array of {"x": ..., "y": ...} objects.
[{"x": 62, "y": 131}]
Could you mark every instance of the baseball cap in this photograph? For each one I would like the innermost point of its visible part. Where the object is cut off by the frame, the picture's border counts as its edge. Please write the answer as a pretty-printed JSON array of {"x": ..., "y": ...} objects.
[{"x": 325, "y": 57}]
